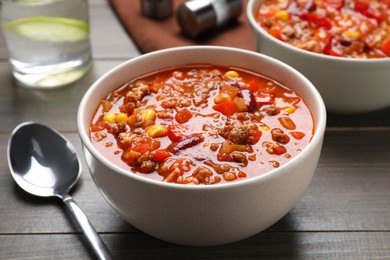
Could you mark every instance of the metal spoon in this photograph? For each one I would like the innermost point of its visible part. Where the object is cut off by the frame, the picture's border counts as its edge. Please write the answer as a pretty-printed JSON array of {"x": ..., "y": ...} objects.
[{"x": 45, "y": 164}]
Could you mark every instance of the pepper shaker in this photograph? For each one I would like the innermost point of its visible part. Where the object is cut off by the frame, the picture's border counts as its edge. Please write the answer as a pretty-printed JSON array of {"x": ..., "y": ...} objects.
[
  {"x": 157, "y": 9},
  {"x": 196, "y": 17}
]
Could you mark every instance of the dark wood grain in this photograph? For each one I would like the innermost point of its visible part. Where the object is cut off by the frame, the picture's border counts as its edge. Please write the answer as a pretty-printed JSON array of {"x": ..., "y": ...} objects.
[
  {"x": 344, "y": 214},
  {"x": 267, "y": 245}
]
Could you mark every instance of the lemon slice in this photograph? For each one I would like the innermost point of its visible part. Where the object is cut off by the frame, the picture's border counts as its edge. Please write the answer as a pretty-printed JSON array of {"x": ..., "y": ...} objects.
[{"x": 49, "y": 29}]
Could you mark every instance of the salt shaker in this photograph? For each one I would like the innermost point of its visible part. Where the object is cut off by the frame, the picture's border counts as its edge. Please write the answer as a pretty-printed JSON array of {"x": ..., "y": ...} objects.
[
  {"x": 198, "y": 16},
  {"x": 157, "y": 9}
]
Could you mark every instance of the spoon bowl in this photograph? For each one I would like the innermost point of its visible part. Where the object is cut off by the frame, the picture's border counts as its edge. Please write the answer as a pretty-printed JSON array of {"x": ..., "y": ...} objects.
[{"x": 44, "y": 163}]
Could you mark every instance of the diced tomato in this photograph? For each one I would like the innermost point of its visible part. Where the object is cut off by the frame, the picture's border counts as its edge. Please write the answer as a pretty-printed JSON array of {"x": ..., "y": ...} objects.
[
  {"x": 337, "y": 4},
  {"x": 161, "y": 155},
  {"x": 316, "y": 20},
  {"x": 241, "y": 174},
  {"x": 386, "y": 47},
  {"x": 274, "y": 148},
  {"x": 142, "y": 148},
  {"x": 368, "y": 10},
  {"x": 183, "y": 116},
  {"x": 253, "y": 86},
  {"x": 329, "y": 47},
  {"x": 99, "y": 126},
  {"x": 146, "y": 144},
  {"x": 256, "y": 134},
  {"x": 275, "y": 32},
  {"x": 226, "y": 108},
  {"x": 175, "y": 132},
  {"x": 261, "y": 85}
]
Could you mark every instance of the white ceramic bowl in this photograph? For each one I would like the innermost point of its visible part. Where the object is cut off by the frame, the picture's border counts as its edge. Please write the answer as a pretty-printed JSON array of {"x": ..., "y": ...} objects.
[
  {"x": 347, "y": 85},
  {"x": 202, "y": 215}
]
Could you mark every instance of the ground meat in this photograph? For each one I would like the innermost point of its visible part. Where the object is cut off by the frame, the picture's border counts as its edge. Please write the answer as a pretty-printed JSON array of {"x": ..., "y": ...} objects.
[
  {"x": 146, "y": 165},
  {"x": 126, "y": 139},
  {"x": 120, "y": 128},
  {"x": 135, "y": 95},
  {"x": 237, "y": 132},
  {"x": 203, "y": 174}
]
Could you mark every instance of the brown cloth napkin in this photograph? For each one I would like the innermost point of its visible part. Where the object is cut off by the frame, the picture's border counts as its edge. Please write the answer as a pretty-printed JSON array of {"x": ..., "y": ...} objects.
[{"x": 150, "y": 35}]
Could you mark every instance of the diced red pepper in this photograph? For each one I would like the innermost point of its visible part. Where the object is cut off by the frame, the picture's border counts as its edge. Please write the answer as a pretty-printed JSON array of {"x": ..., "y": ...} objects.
[
  {"x": 329, "y": 47},
  {"x": 161, "y": 155},
  {"x": 253, "y": 86},
  {"x": 275, "y": 32},
  {"x": 99, "y": 126},
  {"x": 274, "y": 148},
  {"x": 256, "y": 134},
  {"x": 142, "y": 148},
  {"x": 175, "y": 132},
  {"x": 226, "y": 108},
  {"x": 241, "y": 174},
  {"x": 316, "y": 20},
  {"x": 386, "y": 47},
  {"x": 367, "y": 10}
]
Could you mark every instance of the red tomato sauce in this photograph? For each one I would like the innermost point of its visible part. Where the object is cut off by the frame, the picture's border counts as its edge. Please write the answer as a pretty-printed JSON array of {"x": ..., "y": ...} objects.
[
  {"x": 201, "y": 124},
  {"x": 341, "y": 28}
]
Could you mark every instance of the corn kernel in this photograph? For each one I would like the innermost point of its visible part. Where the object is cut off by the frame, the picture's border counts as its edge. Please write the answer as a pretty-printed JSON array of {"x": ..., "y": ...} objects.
[
  {"x": 266, "y": 128},
  {"x": 156, "y": 131},
  {"x": 222, "y": 97},
  {"x": 352, "y": 34},
  {"x": 149, "y": 115},
  {"x": 119, "y": 118},
  {"x": 282, "y": 15},
  {"x": 109, "y": 117},
  {"x": 231, "y": 74},
  {"x": 289, "y": 110}
]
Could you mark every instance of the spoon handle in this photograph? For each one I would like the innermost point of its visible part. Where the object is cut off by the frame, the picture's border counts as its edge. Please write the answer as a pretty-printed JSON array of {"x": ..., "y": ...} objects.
[{"x": 94, "y": 240}]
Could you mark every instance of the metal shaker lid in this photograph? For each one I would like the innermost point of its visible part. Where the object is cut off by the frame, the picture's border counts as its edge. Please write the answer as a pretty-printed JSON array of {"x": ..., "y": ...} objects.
[{"x": 196, "y": 17}]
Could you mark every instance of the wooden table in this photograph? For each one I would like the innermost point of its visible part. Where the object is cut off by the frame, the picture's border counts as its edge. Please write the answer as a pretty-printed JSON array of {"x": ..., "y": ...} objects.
[{"x": 345, "y": 213}]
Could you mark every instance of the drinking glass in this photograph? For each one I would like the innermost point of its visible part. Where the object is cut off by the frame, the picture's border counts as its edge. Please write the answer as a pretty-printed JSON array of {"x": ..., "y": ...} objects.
[{"x": 47, "y": 40}]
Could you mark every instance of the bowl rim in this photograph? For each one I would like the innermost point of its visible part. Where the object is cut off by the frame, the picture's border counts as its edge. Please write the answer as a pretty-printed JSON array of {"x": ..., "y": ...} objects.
[
  {"x": 316, "y": 140},
  {"x": 250, "y": 12}
]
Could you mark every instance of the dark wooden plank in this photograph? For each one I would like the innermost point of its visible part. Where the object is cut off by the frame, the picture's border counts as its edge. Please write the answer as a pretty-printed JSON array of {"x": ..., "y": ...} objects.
[{"x": 268, "y": 245}]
